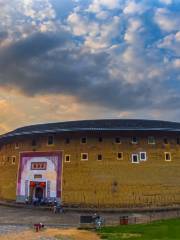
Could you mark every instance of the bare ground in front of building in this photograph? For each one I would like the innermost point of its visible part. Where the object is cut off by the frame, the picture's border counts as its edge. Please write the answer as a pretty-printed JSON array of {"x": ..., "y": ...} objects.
[
  {"x": 17, "y": 223},
  {"x": 50, "y": 234}
]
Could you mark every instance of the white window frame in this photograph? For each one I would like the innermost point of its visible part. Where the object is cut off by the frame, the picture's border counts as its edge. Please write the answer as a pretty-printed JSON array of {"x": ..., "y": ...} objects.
[
  {"x": 119, "y": 159},
  {"x": 133, "y": 141},
  {"x": 166, "y": 158},
  {"x": 82, "y": 159},
  {"x": 67, "y": 155},
  {"x": 154, "y": 140},
  {"x": 145, "y": 156},
  {"x": 135, "y": 154}
]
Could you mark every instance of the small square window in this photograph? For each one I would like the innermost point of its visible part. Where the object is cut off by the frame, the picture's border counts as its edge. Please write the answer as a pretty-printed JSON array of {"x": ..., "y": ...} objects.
[
  {"x": 135, "y": 158},
  {"x": 67, "y": 158},
  {"x": 34, "y": 143},
  {"x": 99, "y": 157},
  {"x": 167, "y": 156},
  {"x": 134, "y": 140},
  {"x": 119, "y": 156},
  {"x": 50, "y": 140},
  {"x": 84, "y": 156},
  {"x": 117, "y": 140},
  {"x": 151, "y": 140},
  {"x": 16, "y": 145},
  {"x": 13, "y": 160},
  {"x": 67, "y": 140},
  {"x": 84, "y": 140},
  {"x": 100, "y": 139},
  {"x": 143, "y": 156},
  {"x": 165, "y": 141}
]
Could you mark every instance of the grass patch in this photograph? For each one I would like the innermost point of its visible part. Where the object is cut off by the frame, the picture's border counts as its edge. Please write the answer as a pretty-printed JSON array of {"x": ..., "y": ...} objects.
[{"x": 165, "y": 229}]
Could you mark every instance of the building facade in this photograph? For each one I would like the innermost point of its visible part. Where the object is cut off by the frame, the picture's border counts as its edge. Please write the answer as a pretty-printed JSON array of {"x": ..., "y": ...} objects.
[{"x": 95, "y": 163}]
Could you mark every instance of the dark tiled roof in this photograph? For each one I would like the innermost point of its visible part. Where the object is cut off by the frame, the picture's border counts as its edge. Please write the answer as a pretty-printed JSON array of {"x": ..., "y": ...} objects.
[{"x": 96, "y": 125}]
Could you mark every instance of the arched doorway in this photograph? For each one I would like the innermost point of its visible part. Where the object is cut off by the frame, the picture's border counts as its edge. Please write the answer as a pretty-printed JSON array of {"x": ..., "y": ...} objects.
[{"x": 39, "y": 192}]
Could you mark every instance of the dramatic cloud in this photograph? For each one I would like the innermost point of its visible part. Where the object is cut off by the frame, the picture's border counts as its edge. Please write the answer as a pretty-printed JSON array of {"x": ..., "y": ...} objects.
[{"x": 117, "y": 57}]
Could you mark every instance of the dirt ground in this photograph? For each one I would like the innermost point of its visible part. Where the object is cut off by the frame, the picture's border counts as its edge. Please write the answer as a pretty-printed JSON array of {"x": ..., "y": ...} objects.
[
  {"x": 51, "y": 234},
  {"x": 17, "y": 223}
]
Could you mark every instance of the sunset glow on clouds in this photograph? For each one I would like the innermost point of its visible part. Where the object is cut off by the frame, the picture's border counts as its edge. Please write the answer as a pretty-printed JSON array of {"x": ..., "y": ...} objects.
[{"x": 77, "y": 59}]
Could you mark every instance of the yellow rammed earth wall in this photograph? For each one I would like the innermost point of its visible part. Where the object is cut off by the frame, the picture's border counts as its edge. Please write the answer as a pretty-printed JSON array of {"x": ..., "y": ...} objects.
[{"x": 108, "y": 182}]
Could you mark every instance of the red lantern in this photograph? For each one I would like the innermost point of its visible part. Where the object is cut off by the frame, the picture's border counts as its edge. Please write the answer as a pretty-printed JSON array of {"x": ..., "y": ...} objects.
[
  {"x": 32, "y": 184},
  {"x": 42, "y": 184}
]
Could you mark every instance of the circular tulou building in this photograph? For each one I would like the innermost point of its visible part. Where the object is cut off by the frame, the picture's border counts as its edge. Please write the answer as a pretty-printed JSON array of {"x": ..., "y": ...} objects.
[{"x": 95, "y": 163}]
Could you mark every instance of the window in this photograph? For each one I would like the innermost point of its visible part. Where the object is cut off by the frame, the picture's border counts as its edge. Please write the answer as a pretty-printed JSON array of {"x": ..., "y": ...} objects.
[
  {"x": 99, "y": 157},
  {"x": 8, "y": 159},
  {"x": 84, "y": 140},
  {"x": 67, "y": 140},
  {"x": 119, "y": 156},
  {"x": 50, "y": 140},
  {"x": 117, "y": 140},
  {"x": 151, "y": 140},
  {"x": 143, "y": 156},
  {"x": 84, "y": 156},
  {"x": 34, "y": 143},
  {"x": 178, "y": 141},
  {"x": 135, "y": 158},
  {"x": 134, "y": 140},
  {"x": 167, "y": 156},
  {"x": 67, "y": 158},
  {"x": 16, "y": 145},
  {"x": 38, "y": 165},
  {"x": 165, "y": 141},
  {"x": 13, "y": 161},
  {"x": 100, "y": 139}
]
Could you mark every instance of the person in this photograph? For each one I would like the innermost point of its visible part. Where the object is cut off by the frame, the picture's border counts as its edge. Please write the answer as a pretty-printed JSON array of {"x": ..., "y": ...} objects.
[{"x": 98, "y": 220}]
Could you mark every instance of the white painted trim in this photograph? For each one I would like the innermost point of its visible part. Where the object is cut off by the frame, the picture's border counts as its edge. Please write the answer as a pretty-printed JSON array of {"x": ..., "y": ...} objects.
[
  {"x": 133, "y": 141},
  {"x": 58, "y": 151},
  {"x": 84, "y": 159},
  {"x": 141, "y": 158},
  {"x": 65, "y": 158},
  {"x": 120, "y": 159},
  {"x": 165, "y": 156}
]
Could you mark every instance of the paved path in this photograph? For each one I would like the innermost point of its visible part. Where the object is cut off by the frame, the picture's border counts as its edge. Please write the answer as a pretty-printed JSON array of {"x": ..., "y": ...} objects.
[{"x": 24, "y": 216}]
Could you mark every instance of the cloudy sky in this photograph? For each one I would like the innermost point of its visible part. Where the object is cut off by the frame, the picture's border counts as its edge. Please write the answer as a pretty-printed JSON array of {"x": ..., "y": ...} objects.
[{"x": 85, "y": 59}]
